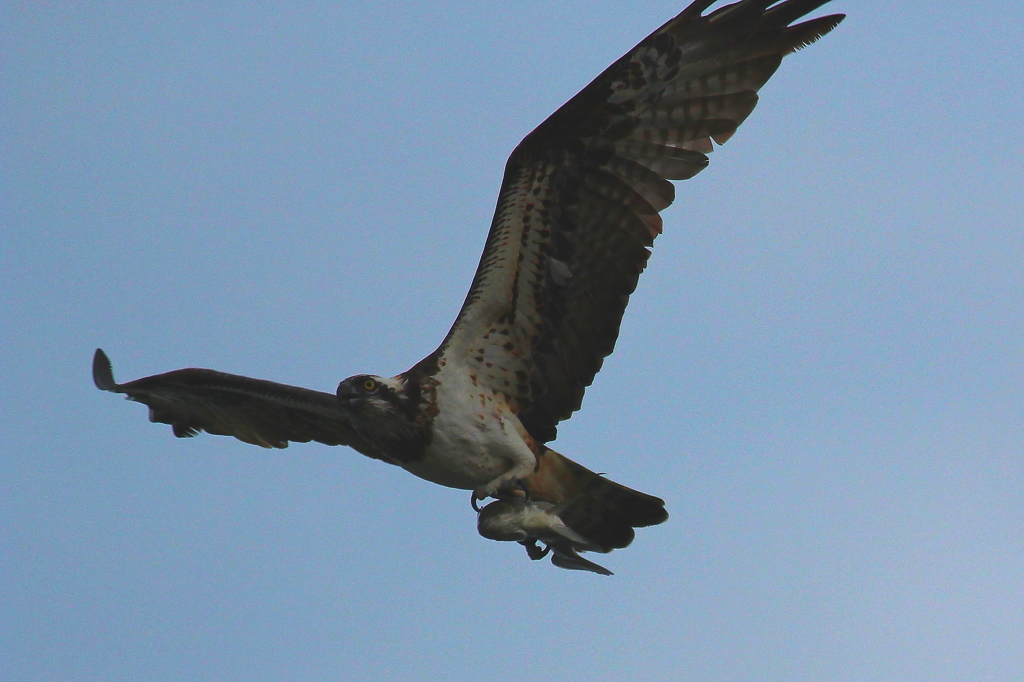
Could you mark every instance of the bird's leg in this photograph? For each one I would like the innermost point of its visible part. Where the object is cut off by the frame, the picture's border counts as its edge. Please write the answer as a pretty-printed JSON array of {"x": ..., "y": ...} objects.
[
  {"x": 517, "y": 488},
  {"x": 522, "y": 464},
  {"x": 503, "y": 494},
  {"x": 522, "y": 460},
  {"x": 522, "y": 486},
  {"x": 504, "y": 486},
  {"x": 533, "y": 551}
]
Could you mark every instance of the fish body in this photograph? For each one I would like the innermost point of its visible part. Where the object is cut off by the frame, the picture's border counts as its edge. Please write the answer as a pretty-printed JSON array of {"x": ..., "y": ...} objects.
[{"x": 529, "y": 522}]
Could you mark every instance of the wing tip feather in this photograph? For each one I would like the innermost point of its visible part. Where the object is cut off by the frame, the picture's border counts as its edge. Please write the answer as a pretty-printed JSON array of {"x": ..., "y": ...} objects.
[
  {"x": 103, "y": 372},
  {"x": 802, "y": 35}
]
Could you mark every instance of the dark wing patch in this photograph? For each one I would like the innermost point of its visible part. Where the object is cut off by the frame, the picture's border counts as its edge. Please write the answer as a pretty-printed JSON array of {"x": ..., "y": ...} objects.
[
  {"x": 254, "y": 411},
  {"x": 578, "y": 209}
]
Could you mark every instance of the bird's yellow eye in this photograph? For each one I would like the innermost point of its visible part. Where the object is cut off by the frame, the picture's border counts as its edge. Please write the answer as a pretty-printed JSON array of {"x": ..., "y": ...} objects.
[{"x": 370, "y": 384}]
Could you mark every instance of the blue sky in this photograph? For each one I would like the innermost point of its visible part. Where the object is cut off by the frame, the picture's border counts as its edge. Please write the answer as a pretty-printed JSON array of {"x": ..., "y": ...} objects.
[{"x": 821, "y": 371}]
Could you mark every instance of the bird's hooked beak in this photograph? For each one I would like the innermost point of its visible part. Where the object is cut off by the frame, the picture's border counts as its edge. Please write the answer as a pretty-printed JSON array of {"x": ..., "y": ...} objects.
[{"x": 348, "y": 397}]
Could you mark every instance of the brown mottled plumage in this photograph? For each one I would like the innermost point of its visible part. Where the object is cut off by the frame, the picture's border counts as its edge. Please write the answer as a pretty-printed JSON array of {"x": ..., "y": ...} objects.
[{"x": 576, "y": 216}]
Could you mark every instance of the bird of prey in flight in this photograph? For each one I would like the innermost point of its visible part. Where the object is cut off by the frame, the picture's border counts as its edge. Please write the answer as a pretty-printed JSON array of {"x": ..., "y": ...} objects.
[{"x": 577, "y": 214}]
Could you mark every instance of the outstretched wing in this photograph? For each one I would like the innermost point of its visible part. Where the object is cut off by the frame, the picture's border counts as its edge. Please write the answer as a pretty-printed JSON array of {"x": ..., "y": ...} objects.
[
  {"x": 252, "y": 410},
  {"x": 579, "y": 203}
]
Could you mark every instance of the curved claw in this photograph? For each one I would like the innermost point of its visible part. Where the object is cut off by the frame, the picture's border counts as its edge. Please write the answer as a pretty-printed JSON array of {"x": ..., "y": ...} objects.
[
  {"x": 502, "y": 495},
  {"x": 533, "y": 551},
  {"x": 522, "y": 486}
]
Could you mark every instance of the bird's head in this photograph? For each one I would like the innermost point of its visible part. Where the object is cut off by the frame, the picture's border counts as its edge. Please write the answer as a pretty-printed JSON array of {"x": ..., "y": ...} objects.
[
  {"x": 382, "y": 412},
  {"x": 361, "y": 391}
]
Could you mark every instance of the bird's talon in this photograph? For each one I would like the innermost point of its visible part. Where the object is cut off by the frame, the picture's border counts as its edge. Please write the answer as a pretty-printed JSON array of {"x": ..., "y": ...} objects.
[
  {"x": 522, "y": 486},
  {"x": 533, "y": 551}
]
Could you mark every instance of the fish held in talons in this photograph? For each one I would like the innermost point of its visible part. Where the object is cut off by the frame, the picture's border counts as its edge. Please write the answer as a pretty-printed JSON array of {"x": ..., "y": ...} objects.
[{"x": 528, "y": 522}]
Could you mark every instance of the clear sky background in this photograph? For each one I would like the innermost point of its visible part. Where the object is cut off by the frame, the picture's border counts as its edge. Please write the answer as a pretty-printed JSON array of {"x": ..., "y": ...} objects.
[{"x": 822, "y": 371}]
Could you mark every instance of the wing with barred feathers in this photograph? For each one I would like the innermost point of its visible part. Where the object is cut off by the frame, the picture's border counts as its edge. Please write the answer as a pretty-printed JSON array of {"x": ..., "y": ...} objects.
[
  {"x": 579, "y": 203},
  {"x": 254, "y": 411}
]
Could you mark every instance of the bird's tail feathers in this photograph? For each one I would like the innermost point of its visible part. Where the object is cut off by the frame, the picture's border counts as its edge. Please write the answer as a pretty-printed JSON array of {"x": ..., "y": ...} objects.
[{"x": 592, "y": 506}]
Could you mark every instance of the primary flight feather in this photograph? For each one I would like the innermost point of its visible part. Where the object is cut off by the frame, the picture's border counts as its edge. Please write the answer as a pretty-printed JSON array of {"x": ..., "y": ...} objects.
[{"x": 577, "y": 213}]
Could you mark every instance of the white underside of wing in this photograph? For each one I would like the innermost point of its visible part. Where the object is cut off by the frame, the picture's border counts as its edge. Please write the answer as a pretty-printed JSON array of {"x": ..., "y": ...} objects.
[{"x": 495, "y": 330}]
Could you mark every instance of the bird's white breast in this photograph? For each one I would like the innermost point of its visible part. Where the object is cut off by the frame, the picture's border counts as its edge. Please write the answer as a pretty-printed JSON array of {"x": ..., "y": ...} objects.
[{"x": 476, "y": 437}]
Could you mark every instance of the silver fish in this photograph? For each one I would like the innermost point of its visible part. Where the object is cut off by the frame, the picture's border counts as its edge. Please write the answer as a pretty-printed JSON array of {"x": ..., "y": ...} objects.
[{"x": 527, "y": 522}]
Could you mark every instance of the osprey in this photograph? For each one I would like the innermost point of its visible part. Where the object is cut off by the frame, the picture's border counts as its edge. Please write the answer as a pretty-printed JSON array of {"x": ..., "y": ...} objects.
[{"x": 577, "y": 214}]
